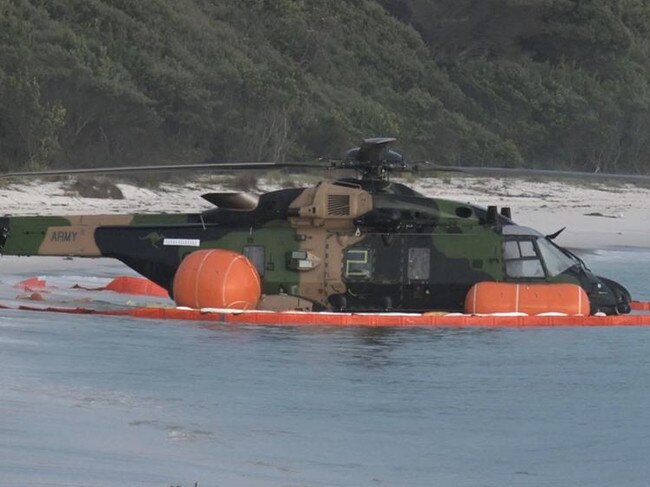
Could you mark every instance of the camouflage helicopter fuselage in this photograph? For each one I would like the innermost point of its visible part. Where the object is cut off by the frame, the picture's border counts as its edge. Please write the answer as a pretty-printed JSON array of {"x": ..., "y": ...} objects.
[{"x": 348, "y": 245}]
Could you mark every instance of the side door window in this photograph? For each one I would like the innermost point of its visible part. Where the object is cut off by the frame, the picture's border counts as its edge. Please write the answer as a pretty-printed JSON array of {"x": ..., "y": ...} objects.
[
  {"x": 255, "y": 253},
  {"x": 418, "y": 264}
]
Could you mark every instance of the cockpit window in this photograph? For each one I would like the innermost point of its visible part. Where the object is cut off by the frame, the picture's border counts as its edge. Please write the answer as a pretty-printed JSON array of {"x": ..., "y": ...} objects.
[
  {"x": 516, "y": 249},
  {"x": 511, "y": 249},
  {"x": 534, "y": 257},
  {"x": 522, "y": 259},
  {"x": 524, "y": 268},
  {"x": 527, "y": 248},
  {"x": 555, "y": 260}
]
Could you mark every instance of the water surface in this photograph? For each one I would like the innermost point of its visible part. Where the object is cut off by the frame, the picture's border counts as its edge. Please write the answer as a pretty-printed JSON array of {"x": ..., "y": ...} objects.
[{"x": 103, "y": 401}]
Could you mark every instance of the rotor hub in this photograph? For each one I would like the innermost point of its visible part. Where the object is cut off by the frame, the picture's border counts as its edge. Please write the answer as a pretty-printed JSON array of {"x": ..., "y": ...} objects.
[{"x": 374, "y": 159}]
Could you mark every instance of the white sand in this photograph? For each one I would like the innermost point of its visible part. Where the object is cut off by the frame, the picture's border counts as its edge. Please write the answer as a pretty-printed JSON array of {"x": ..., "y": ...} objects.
[{"x": 544, "y": 205}]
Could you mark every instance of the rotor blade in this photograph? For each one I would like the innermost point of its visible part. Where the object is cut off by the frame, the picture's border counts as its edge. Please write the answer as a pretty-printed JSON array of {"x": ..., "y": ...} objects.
[
  {"x": 523, "y": 172},
  {"x": 217, "y": 167},
  {"x": 517, "y": 172},
  {"x": 426, "y": 166}
]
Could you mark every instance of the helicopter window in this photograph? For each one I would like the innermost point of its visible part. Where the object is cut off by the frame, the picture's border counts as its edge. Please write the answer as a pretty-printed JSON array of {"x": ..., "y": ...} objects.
[
  {"x": 511, "y": 249},
  {"x": 556, "y": 261},
  {"x": 463, "y": 212},
  {"x": 255, "y": 253},
  {"x": 516, "y": 249},
  {"x": 524, "y": 268},
  {"x": 358, "y": 263},
  {"x": 527, "y": 249},
  {"x": 418, "y": 264},
  {"x": 522, "y": 259}
]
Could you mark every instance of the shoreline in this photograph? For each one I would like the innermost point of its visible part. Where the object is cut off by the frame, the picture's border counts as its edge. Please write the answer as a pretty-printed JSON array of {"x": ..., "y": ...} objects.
[{"x": 596, "y": 215}]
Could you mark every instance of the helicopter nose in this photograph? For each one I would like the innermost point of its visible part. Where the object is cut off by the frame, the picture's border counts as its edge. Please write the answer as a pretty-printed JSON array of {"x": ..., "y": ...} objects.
[
  {"x": 624, "y": 308},
  {"x": 598, "y": 287},
  {"x": 609, "y": 296}
]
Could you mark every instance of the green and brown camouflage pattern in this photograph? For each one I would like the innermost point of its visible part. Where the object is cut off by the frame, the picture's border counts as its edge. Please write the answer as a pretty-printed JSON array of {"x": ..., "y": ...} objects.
[{"x": 354, "y": 244}]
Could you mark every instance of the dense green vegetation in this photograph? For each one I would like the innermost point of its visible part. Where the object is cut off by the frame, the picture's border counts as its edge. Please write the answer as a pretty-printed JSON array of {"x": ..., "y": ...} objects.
[{"x": 541, "y": 83}]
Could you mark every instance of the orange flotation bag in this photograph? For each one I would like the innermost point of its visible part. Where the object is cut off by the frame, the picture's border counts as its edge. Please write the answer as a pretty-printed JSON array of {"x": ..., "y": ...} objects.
[
  {"x": 31, "y": 284},
  {"x": 135, "y": 285},
  {"x": 216, "y": 278},
  {"x": 503, "y": 297}
]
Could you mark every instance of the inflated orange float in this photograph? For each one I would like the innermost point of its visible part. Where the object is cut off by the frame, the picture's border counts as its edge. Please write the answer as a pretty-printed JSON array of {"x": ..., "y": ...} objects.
[
  {"x": 135, "y": 285},
  {"x": 216, "y": 278},
  {"x": 502, "y": 297}
]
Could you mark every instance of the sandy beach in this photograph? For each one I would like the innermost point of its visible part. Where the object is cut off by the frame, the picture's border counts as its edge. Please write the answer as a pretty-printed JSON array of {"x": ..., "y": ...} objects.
[{"x": 597, "y": 215}]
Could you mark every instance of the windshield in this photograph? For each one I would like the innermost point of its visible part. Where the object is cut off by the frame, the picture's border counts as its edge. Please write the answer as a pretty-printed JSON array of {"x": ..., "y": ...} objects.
[
  {"x": 555, "y": 260},
  {"x": 573, "y": 256}
]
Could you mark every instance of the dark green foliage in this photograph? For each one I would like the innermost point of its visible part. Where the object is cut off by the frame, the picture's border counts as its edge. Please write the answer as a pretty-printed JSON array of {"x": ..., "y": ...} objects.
[
  {"x": 562, "y": 83},
  {"x": 544, "y": 83}
]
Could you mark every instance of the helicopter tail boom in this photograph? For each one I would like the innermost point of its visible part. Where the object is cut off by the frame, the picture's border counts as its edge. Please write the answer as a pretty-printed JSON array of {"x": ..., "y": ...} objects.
[{"x": 67, "y": 236}]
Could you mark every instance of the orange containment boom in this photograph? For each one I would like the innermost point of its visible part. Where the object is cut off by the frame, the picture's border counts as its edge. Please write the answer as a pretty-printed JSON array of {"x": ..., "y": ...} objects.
[
  {"x": 295, "y": 318},
  {"x": 640, "y": 306},
  {"x": 503, "y": 297}
]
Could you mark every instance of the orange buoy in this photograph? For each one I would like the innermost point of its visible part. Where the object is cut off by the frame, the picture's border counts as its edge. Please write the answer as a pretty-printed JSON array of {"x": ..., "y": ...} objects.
[
  {"x": 135, "y": 285},
  {"x": 217, "y": 278},
  {"x": 504, "y": 297}
]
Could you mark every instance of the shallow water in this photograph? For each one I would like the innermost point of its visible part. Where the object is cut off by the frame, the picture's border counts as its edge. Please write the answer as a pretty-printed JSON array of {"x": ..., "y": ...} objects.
[
  {"x": 630, "y": 268},
  {"x": 97, "y": 401}
]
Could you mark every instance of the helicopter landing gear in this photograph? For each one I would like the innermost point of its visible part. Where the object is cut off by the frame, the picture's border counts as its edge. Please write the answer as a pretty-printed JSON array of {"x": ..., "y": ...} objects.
[{"x": 339, "y": 302}]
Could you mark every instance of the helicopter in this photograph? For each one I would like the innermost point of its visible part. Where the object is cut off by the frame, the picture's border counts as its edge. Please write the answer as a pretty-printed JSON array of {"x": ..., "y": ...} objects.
[{"x": 355, "y": 244}]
